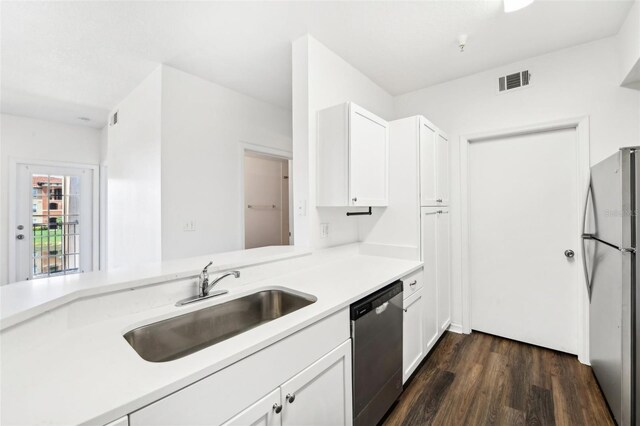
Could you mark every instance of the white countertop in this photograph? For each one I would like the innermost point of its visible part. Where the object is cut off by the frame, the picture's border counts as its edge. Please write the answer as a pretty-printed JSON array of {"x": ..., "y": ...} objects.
[
  {"x": 90, "y": 375},
  {"x": 25, "y": 299}
]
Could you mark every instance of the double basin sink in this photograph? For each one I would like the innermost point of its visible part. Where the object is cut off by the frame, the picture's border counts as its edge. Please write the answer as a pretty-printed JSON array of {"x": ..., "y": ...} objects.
[{"x": 183, "y": 335}]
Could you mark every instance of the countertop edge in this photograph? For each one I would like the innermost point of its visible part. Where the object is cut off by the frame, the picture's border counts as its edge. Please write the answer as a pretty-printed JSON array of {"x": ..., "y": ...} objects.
[{"x": 99, "y": 290}]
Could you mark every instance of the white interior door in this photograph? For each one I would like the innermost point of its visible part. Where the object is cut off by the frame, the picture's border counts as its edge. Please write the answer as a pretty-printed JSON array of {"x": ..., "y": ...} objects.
[
  {"x": 523, "y": 214},
  {"x": 55, "y": 225}
]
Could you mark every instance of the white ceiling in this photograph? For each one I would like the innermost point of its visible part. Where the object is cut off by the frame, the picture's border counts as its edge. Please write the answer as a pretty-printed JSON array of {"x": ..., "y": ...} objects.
[{"x": 63, "y": 60}]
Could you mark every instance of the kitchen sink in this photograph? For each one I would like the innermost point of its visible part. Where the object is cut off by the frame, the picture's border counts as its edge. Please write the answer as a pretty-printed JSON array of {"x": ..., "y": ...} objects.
[{"x": 183, "y": 335}]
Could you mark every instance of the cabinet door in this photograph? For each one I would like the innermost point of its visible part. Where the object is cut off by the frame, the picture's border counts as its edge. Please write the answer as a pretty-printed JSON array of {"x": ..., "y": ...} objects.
[
  {"x": 443, "y": 270},
  {"x": 262, "y": 413},
  {"x": 427, "y": 164},
  {"x": 430, "y": 259},
  {"x": 321, "y": 394},
  {"x": 368, "y": 159},
  {"x": 442, "y": 170},
  {"x": 122, "y": 421},
  {"x": 412, "y": 334}
]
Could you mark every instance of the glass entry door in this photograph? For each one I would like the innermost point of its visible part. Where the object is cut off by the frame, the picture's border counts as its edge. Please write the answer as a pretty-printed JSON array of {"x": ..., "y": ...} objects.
[{"x": 54, "y": 227}]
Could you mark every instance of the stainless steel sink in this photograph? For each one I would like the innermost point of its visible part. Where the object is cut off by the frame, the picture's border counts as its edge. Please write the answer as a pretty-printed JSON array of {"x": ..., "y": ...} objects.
[{"x": 180, "y": 336}]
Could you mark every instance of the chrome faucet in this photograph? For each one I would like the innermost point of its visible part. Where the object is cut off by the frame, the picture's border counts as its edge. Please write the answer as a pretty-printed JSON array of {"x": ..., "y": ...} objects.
[{"x": 204, "y": 288}]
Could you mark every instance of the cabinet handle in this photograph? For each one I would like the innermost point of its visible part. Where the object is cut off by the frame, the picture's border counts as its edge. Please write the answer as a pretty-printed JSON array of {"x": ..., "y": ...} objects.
[
  {"x": 413, "y": 283},
  {"x": 354, "y": 199},
  {"x": 277, "y": 408},
  {"x": 290, "y": 397},
  {"x": 439, "y": 200},
  {"x": 406, "y": 310}
]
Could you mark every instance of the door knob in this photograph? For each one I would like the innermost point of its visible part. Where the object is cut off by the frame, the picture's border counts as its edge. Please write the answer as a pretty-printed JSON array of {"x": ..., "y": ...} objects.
[
  {"x": 290, "y": 397},
  {"x": 569, "y": 253},
  {"x": 277, "y": 408},
  {"x": 20, "y": 237}
]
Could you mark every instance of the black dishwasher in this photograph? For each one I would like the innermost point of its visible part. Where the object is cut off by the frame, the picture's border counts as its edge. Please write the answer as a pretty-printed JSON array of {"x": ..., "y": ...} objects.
[{"x": 376, "y": 339}]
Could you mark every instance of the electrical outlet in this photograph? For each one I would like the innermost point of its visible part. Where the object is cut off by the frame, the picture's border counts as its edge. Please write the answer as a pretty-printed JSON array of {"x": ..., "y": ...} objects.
[
  {"x": 189, "y": 226},
  {"x": 324, "y": 230}
]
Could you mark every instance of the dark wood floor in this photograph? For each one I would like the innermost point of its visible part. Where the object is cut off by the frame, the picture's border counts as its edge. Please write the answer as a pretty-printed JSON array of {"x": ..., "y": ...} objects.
[{"x": 480, "y": 379}]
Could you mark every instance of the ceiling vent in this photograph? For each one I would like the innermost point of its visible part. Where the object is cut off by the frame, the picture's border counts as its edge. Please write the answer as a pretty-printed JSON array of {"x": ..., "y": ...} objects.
[
  {"x": 514, "y": 81},
  {"x": 114, "y": 119}
]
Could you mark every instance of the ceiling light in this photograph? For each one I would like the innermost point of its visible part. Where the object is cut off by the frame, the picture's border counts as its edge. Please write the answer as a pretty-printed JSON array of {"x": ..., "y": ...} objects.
[{"x": 513, "y": 5}]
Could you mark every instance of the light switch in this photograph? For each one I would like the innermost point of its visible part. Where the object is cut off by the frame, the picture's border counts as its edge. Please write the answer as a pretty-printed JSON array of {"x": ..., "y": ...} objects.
[{"x": 301, "y": 207}]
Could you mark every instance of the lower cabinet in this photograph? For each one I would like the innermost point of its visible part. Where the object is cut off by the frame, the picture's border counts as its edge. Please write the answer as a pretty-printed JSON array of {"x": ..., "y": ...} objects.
[
  {"x": 265, "y": 412},
  {"x": 413, "y": 346},
  {"x": 304, "y": 378},
  {"x": 319, "y": 395}
]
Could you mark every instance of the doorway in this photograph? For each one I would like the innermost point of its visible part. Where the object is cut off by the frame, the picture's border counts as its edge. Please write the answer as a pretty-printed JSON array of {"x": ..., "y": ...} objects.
[
  {"x": 54, "y": 221},
  {"x": 522, "y": 206},
  {"x": 267, "y": 207}
]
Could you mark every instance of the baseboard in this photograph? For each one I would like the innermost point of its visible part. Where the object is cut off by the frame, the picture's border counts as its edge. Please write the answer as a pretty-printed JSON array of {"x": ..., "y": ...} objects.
[{"x": 456, "y": 328}]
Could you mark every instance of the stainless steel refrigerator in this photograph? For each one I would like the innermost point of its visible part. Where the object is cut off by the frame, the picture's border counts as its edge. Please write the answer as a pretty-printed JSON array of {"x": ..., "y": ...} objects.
[{"x": 611, "y": 264}]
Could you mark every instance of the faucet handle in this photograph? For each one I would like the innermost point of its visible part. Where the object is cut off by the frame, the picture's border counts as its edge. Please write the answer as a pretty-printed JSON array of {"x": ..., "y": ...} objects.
[{"x": 205, "y": 271}]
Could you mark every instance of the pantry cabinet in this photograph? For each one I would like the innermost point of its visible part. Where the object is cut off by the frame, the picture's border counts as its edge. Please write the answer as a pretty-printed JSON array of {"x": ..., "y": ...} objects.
[
  {"x": 352, "y": 157},
  {"x": 434, "y": 165},
  {"x": 435, "y": 223},
  {"x": 443, "y": 270},
  {"x": 429, "y": 227}
]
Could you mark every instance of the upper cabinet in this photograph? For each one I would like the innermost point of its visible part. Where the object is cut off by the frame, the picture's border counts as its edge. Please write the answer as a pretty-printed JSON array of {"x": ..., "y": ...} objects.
[
  {"x": 353, "y": 157},
  {"x": 434, "y": 165}
]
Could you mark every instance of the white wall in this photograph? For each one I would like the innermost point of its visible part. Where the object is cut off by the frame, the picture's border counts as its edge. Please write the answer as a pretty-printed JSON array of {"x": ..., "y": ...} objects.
[
  {"x": 203, "y": 128},
  {"x": 174, "y": 157},
  {"x": 579, "y": 81},
  {"x": 322, "y": 79},
  {"x": 629, "y": 48},
  {"x": 133, "y": 158},
  {"x": 31, "y": 139}
]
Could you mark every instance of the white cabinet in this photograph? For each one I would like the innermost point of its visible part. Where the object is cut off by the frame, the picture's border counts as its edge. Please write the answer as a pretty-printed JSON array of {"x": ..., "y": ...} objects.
[
  {"x": 434, "y": 165},
  {"x": 437, "y": 265},
  {"x": 265, "y": 412},
  {"x": 321, "y": 394},
  {"x": 352, "y": 157},
  {"x": 122, "y": 421},
  {"x": 443, "y": 270},
  {"x": 442, "y": 169},
  {"x": 412, "y": 334},
  {"x": 245, "y": 392},
  {"x": 429, "y": 225}
]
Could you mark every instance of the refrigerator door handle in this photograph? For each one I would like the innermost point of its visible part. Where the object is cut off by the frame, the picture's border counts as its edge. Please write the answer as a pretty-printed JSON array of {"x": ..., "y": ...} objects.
[{"x": 586, "y": 236}]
